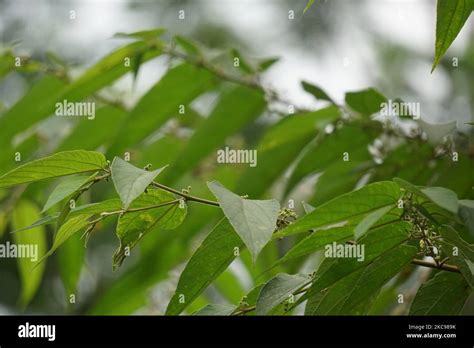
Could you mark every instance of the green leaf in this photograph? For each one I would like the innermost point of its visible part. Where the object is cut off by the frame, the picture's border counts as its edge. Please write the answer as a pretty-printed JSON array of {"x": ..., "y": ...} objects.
[
  {"x": 279, "y": 289},
  {"x": 216, "y": 309},
  {"x": 31, "y": 272},
  {"x": 133, "y": 226},
  {"x": 280, "y": 145},
  {"x": 376, "y": 275},
  {"x": 59, "y": 164},
  {"x": 213, "y": 256},
  {"x": 253, "y": 220},
  {"x": 180, "y": 86},
  {"x": 68, "y": 229},
  {"x": 236, "y": 108},
  {"x": 366, "y": 102},
  {"x": 377, "y": 243},
  {"x": 316, "y": 91},
  {"x": 318, "y": 240},
  {"x": 346, "y": 207},
  {"x": 65, "y": 189},
  {"x": 440, "y": 196},
  {"x": 130, "y": 181},
  {"x": 444, "y": 294},
  {"x": 369, "y": 220},
  {"x": 86, "y": 209},
  {"x": 450, "y": 18},
  {"x": 146, "y": 35}
]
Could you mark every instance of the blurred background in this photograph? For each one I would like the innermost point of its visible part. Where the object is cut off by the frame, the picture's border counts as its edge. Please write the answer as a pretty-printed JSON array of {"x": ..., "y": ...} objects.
[{"x": 340, "y": 45}]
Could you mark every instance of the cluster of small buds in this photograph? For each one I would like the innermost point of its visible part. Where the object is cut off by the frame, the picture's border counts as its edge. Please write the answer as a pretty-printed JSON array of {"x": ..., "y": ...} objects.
[{"x": 286, "y": 216}]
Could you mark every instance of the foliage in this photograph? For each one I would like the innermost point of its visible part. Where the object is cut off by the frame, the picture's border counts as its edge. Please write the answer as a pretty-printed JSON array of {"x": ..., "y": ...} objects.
[{"x": 386, "y": 199}]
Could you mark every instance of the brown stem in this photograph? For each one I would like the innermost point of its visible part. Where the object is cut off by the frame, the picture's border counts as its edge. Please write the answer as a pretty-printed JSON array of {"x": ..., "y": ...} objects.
[{"x": 449, "y": 268}]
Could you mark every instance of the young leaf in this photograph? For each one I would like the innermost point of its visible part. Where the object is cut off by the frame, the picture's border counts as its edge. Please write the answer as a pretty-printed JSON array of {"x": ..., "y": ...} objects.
[
  {"x": 253, "y": 220},
  {"x": 450, "y": 18},
  {"x": 444, "y": 294},
  {"x": 59, "y": 164},
  {"x": 31, "y": 272},
  {"x": 213, "y": 256},
  {"x": 368, "y": 221},
  {"x": 65, "y": 189},
  {"x": 279, "y": 289},
  {"x": 366, "y": 102},
  {"x": 216, "y": 309},
  {"x": 308, "y": 6},
  {"x": 134, "y": 225},
  {"x": 130, "y": 181},
  {"x": 145, "y": 35},
  {"x": 346, "y": 207},
  {"x": 316, "y": 91}
]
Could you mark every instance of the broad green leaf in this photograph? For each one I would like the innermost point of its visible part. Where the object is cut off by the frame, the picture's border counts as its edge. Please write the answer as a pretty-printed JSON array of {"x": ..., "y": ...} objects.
[
  {"x": 31, "y": 272},
  {"x": 440, "y": 196},
  {"x": 90, "y": 134},
  {"x": 59, "y": 164},
  {"x": 86, "y": 209},
  {"x": 466, "y": 213},
  {"x": 369, "y": 220},
  {"x": 376, "y": 244},
  {"x": 365, "y": 102},
  {"x": 65, "y": 189},
  {"x": 330, "y": 300},
  {"x": 216, "y": 309},
  {"x": 236, "y": 108},
  {"x": 279, "y": 147},
  {"x": 377, "y": 274},
  {"x": 450, "y": 18},
  {"x": 180, "y": 86},
  {"x": 278, "y": 290},
  {"x": 212, "y": 258},
  {"x": 133, "y": 226},
  {"x": 68, "y": 229},
  {"x": 346, "y": 207},
  {"x": 316, "y": 91},
  {"x": 130, "y": 181},
  {"x": 253, "y": 220},
  {"x": 318, "y": 240},
  {"x": 444, "y": 294}
]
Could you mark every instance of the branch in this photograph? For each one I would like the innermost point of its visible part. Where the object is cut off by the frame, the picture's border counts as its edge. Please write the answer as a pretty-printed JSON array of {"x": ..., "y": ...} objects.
[
  {"x": 186, "y": 196},
  {"x": 444, "y": 267}
]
